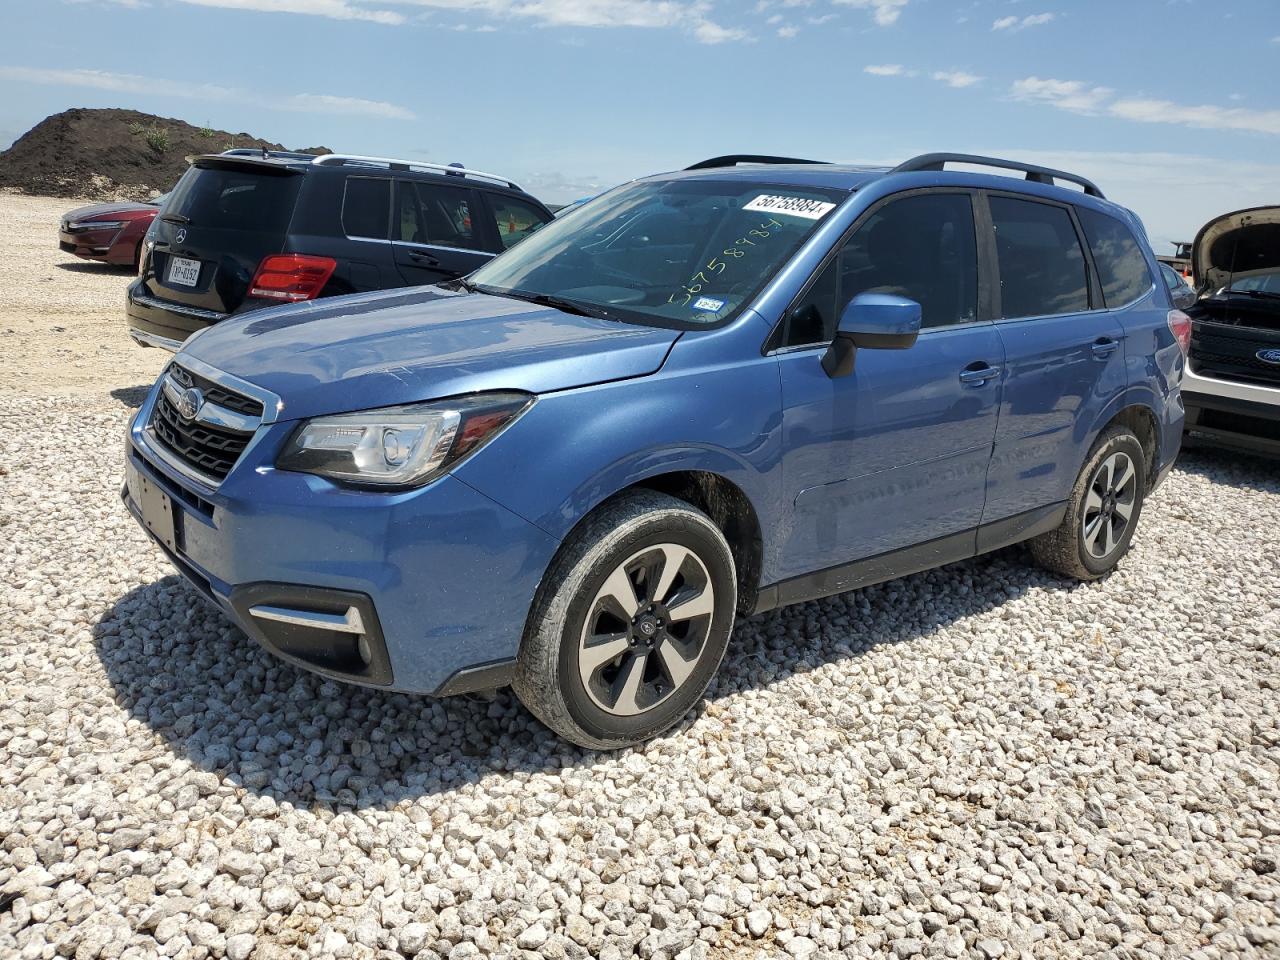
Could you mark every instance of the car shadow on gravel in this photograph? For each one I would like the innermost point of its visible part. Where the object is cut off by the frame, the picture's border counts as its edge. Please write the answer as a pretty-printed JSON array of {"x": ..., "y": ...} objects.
[
  {"x": 218, "y": 699},
  {"x": 1231, "y": 467},
  {"x": 91, "y": 266},
  {"x": 131, "y": 397}
]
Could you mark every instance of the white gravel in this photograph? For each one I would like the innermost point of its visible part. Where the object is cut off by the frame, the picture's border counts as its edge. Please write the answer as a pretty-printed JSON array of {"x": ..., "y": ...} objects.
[{"x": 982, "y": 761}]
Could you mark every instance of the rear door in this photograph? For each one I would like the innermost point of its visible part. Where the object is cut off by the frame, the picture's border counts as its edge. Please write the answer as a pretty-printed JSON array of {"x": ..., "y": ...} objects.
[
  {"x": 224, "y": 216},
  {"x": 1064, "y": 354},
  {"x": 435, "y": 233}
]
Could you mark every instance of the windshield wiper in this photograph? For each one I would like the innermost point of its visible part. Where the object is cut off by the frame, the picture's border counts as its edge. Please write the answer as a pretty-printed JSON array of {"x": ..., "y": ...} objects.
[
  {"x": 1264, "y": 294},
  {"x": 551, "y": 300},
  {"x": 176, "y": 218}
]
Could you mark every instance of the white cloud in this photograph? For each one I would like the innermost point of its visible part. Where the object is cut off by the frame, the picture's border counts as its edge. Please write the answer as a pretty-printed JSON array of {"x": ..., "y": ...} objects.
[
  {"x": 1205, "y": 117},
  {"x": 886, "y": 12},
  {"x": 334, "y": 9},
  {"x": 1077, "y": 96},
  {"x": 159, "y": 87},
  {"x": 957, "y": 78},
  {"x": 788, "y": 32},
  {"x": 1021, "y": 23},
  {"x": 1073, "y": 95},
  {"x": 885, "y": 70}
]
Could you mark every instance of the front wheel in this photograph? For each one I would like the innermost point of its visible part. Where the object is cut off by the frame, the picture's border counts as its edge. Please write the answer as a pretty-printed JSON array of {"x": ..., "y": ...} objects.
[
  {"x": 1103, "y": 511},
  {"x": 631, "y": 623}
]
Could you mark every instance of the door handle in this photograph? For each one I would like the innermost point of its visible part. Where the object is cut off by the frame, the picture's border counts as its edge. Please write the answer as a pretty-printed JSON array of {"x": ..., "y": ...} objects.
[
  {"x": 978, "y": 374},
  {"x": 1104, "y": 347},
  {"x": 421, "y": 256}
]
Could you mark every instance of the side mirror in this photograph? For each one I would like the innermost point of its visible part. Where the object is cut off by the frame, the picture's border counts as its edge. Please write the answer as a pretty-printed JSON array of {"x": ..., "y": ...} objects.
[{"x": 873, "y": 321}]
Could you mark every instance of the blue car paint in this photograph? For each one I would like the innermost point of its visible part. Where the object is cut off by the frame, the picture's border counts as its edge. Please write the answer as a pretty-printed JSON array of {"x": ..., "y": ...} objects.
[{"x": 618, "y": 405}]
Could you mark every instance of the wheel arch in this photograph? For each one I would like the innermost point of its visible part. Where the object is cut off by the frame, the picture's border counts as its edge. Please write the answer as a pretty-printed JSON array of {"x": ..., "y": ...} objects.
[{"x": 1135, "y": 411}]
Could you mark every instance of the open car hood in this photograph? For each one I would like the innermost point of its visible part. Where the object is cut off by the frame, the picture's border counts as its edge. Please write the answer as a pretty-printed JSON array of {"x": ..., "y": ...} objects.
[{"x": 1235, "y": 246}]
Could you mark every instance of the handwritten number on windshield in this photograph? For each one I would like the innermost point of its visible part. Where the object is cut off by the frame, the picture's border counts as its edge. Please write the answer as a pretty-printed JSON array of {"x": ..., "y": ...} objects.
[{"x": 716, "y": 265}]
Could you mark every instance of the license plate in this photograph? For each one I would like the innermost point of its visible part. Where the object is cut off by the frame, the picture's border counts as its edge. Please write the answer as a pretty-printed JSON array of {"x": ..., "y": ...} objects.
[
  {"x": 184, "y": 271},
  {"x": 155, "y": 506}
]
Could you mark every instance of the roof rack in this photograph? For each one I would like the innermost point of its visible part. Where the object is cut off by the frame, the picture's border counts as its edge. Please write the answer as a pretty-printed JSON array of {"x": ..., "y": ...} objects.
[
  {"x": 938, "y": 162},
  {"x": 734, "y": 159},
  {"x": 453, "y": 170},
  {"x": 265, "y": 154}
]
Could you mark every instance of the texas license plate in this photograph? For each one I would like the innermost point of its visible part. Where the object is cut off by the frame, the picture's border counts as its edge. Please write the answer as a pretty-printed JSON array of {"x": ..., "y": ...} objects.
[
  {"x": 183, "y": 271},
  {"x": 154, "y": 505}
]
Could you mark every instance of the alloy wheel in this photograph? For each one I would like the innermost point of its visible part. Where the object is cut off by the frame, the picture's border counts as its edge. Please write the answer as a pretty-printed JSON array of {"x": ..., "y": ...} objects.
[
  {"x": 1108, "y": 505},
  {"x": 646, "y": 629}
]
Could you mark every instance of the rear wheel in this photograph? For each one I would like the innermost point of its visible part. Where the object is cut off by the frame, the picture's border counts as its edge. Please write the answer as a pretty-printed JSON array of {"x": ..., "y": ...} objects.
[
  {"x": 631, "y": 623},
  {"x": 1103, "y": 512}
]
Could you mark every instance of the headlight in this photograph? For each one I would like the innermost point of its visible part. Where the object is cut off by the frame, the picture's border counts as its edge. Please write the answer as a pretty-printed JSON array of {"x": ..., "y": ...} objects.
[
  {"x": 83, "y": 225},
  {"x": 400, "y": 446}
]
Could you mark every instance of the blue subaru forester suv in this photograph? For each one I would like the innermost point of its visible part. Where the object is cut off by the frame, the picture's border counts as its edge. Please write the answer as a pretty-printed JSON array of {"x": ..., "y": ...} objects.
[{"x": 701, "y": 394}]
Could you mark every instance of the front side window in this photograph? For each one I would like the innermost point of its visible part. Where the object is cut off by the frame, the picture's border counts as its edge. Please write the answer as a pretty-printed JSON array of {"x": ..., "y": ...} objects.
[
  {"x": 1122, "y": 268},
  {"x": 678, "y": 253},
  {"x": 1042, "y": 267},
  {"x": 365, "y": 206},
  {"x": 514, "y": 219},
  {"x": 436, "y": 215},
  {"x": 919, "y": 247}
]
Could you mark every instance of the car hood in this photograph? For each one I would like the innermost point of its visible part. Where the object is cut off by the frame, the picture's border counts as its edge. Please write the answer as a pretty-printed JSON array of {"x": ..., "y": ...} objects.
[
  {"x": 380, "y": 349},
  {"x": 98, "y": 211},
  {"x": 1235, "y": 246}
]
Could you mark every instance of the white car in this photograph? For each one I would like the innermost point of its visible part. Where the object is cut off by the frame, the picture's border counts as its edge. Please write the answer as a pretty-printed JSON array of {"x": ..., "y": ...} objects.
[{"x": 1232, "y": 383}]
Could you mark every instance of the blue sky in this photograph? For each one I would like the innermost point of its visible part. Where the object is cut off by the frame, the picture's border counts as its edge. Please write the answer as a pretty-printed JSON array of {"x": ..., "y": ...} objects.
[{"x": 1173, "y": 106}]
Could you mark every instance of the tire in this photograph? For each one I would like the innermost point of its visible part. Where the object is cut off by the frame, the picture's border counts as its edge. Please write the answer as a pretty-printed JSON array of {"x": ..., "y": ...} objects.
[
  {"x": 1095, "y": 535},
  {"x": 669, "y": 651}
]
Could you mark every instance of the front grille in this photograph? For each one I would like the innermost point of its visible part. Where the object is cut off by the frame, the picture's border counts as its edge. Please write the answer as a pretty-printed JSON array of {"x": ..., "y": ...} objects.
[
  {"x": 1233, "y": 357},
  {"x": 210, "y": 450},
  {"x": 216, "y": 394}
]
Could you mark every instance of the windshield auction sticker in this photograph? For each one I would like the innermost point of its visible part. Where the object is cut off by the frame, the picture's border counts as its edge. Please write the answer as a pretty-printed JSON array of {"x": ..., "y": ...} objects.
[{"x": 790, "y": 206}]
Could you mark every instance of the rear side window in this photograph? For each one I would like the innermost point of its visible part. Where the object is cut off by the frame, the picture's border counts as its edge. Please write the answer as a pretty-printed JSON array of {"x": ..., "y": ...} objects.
[
  {"x": 435, "y": 215},
  {"x": 515, "y": 219},
  {"x": 1171, "y": 278},
  {"x": 230, "y": 199},
  {"x": 366, "y": 207},
  {"x": 1042, "y": 268},
  {"x": 1121, "y": 266}
]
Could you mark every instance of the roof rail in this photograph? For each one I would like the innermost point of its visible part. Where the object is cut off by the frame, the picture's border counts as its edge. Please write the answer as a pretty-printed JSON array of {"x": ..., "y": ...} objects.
[
  {"x": 734, "y": 159},
  {"x": 267, "y": 154},
  {"x": 342, "y": 159},
  {"x": 938, "y": 162}
]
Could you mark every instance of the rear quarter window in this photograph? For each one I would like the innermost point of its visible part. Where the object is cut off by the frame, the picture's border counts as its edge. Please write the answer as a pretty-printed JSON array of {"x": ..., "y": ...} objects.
[
  {"x": 231, "y": 199},
  {"x": 366, "y": 207},
  {"x": 1122, "y": 268}
]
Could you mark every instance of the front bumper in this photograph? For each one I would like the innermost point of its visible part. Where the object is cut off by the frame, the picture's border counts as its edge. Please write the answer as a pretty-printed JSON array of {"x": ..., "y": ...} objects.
[
  {"x": 441, "y": 578},
  {"x": 103, "y": 246},
  {"x": 1238, "y": 415}
]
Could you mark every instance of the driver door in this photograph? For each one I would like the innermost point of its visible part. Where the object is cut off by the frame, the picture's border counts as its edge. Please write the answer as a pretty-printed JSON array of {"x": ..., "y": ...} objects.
[{"x": 894, "y": 455}]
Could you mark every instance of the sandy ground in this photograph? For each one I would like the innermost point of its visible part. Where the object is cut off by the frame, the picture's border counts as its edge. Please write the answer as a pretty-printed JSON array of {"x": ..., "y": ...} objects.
[{"x": 62, "y": 320}]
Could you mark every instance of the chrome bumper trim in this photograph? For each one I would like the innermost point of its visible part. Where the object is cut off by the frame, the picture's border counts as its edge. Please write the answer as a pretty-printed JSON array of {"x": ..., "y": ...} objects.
[
  {"x": 144, "y": 339},
  {"x": 349, "y": 622},
  {"x": 143, "y": 300}
]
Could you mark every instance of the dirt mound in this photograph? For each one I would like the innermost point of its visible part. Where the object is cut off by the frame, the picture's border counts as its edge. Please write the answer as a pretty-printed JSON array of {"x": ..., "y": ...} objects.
[{"x": 112, "y": 154}]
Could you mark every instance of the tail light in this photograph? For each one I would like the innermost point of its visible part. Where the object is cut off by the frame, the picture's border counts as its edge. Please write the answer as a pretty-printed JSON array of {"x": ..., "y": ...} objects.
[
  {"x": 1180, "y": 327},
  {"x": 291, "y": 277}
]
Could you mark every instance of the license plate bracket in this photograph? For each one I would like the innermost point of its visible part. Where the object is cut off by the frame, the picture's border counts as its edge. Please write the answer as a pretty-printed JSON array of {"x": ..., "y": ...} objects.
[
  {"x": 156, "y": 508},
  {"x": 184, "y": 271}
]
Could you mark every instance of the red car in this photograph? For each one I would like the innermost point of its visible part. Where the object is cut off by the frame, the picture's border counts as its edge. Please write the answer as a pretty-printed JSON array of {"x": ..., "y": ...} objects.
[{"x": 108, "y": 232}]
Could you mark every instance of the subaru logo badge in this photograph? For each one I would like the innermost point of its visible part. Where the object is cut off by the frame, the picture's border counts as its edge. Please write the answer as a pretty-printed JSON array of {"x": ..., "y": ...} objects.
[
  {"x": 189, "y": 403},
  {"x": 180, "y": 236},
  {"x": 1269, "y": 356}
]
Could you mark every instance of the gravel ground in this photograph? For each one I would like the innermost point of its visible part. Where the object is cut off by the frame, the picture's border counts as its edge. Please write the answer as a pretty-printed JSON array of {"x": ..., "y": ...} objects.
[
  {"x": 62, "y": 319},
  {"x": 981, "y": 761}
]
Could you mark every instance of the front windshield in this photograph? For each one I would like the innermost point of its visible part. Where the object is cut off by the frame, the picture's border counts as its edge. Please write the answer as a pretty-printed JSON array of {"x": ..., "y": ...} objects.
[{"x": 677, "y": 253}]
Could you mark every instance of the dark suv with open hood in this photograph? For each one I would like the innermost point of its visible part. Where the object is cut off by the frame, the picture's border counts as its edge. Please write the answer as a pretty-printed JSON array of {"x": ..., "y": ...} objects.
[
  {"x": 1232, "y": 385},
  {"x": 241, "y": 232}
]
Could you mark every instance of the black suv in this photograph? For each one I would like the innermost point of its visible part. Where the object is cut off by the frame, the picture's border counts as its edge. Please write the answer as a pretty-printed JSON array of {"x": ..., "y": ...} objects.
[{"x": 245, "y": 230}]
